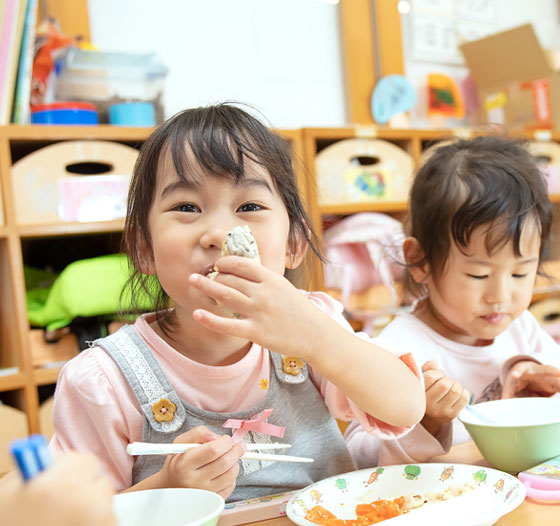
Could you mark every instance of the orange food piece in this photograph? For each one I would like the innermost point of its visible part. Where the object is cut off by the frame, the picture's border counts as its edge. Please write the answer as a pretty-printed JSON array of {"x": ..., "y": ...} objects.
[{"x": 366, "y": 514}]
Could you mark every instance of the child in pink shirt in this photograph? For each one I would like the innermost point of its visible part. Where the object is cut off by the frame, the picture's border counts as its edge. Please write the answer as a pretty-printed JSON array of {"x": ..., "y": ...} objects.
[{"x": 281, "y": 367}]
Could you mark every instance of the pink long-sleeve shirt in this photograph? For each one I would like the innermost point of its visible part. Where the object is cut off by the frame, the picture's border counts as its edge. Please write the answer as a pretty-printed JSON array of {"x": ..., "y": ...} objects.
[{"x": 96, "y": 410}]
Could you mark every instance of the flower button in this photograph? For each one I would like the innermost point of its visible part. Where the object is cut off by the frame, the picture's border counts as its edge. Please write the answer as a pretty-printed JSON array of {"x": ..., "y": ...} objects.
[{"x": 164, "y": 410}]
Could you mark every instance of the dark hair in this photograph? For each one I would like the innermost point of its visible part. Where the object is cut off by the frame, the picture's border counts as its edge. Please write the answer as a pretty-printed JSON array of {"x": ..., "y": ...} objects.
[
  {"x": 492, "y": 181},
  {"x": 221, "y": 138}
]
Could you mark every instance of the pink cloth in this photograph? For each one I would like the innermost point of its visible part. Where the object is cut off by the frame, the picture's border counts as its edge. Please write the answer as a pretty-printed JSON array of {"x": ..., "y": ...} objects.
[{"x": 95, "y": 409}]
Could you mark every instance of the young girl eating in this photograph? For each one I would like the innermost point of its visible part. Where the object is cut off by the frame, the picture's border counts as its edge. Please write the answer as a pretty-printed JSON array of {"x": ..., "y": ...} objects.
[
  {"x": 480, "y": 219},
  {"x": 281, "y": 367}
]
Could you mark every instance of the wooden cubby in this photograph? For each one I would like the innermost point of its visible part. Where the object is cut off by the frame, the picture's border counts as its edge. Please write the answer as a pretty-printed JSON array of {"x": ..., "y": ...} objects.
[
  {"x": 19, "y": 381},
  {"x": 415, "y": 142}
]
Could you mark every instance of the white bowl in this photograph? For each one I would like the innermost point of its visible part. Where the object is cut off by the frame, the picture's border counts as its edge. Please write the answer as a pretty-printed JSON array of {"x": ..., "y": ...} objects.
[{"x": 169, "y": 507}]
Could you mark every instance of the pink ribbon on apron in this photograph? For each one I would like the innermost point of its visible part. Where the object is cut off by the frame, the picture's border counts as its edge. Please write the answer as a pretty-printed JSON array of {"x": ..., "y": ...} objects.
[{"x": 255, "y": 423}]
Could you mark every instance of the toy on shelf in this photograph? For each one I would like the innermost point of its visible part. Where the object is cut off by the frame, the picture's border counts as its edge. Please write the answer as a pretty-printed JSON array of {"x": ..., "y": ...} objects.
[
  {"x": 444, "y": 98},
  {"x": 392, "y": 97}
]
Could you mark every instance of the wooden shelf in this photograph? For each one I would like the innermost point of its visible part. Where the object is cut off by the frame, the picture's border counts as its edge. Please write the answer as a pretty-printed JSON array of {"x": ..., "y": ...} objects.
[
  {"x": 58, "y": 133},
  {"x": 46, "y": 376},
  {"x": 354, "y": 208},
  {"x": 19, "y": 141},
  {"x": 69, "y": 228},
  {"x": 12, "y": 381}
]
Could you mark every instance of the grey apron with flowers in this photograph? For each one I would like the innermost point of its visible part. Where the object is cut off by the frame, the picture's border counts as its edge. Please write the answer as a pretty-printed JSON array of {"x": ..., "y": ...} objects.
[{"x": 296, "y": 405}]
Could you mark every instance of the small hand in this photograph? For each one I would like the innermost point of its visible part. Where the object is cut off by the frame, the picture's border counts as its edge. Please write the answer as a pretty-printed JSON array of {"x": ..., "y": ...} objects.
[
  {"x": 445, "y": 398},
  {"x": 213, "y": 466},
  {"x": 541, "y": 379},
  {"x": 273, "y": 313},
  {"x": 70, "y": 492}
]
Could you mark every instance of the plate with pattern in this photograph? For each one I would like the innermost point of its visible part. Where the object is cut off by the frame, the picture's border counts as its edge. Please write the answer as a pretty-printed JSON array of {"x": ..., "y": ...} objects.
[{"x": 472, "y": 495}]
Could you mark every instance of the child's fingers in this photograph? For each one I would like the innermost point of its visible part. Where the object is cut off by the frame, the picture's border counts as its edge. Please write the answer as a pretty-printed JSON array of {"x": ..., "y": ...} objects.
[
  {"x": 431, "y": 377},
  {"x": 544, "y": 378},
  {"x": 225, "y": 468},
  {"x": 446, "y": 399},
  {"x": 232, "y": 326},
  {"x": 515, "y": 380},
  {"x": 429, "y": 365},
  {"x": 229, "y": 296},
  {"x": 226, "y": 482},
  {"x": 196, "y": 435},
  {"x": 246, "y": 268}
]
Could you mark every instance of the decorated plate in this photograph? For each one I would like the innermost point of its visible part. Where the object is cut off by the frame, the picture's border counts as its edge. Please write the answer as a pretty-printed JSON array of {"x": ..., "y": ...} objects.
[{"x": 487, "y": 494}]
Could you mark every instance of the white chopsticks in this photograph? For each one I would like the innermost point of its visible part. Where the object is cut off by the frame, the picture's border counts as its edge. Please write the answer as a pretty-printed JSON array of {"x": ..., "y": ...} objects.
[{"x": 146, "y": 448}]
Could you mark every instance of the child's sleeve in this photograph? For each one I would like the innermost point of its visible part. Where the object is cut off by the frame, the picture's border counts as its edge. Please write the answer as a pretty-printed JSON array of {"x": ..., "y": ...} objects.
[
  {"x": 339, "y": 405},
  {"x": 89, "y": 415},
  {"x": 534, "y": 344},
  {"x": 368, "y": 450}
]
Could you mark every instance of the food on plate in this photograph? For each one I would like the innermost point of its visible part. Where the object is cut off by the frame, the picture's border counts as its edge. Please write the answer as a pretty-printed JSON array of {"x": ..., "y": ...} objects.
[
  {"x": 382, "y": 509},
  {"x": 238, "y": 242}
]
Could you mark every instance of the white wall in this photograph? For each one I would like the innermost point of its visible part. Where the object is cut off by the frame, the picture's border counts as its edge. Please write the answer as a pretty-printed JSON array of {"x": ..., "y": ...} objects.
[{"x": 281, "y": 56}]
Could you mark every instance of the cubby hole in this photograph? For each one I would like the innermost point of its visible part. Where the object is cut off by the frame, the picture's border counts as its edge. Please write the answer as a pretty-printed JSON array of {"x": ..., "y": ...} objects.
[
  {"x": 44, "y": 259},
  {"x": 9, "y": 343},
  {"x": 14, "y": 424}
]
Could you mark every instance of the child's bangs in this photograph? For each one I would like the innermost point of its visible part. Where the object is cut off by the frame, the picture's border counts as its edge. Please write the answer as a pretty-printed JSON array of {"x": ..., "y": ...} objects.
[
  {"x": 216, "y": 152},
  {"x": 503, "y": 215}
]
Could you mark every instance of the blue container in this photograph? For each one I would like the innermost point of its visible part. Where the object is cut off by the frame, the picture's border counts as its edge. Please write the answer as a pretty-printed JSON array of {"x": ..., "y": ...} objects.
[
  {"x": 64, "y": 113},
  {"x": 132, "y": 114}
]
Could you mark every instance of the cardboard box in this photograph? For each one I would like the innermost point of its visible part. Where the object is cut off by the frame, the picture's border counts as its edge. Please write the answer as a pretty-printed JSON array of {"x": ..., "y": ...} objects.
[{"x": 517, "y": 84}]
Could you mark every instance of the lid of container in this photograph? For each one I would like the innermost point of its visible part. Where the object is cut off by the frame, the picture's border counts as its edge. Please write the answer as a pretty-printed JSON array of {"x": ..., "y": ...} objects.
[{"x": 64, "y": 106}]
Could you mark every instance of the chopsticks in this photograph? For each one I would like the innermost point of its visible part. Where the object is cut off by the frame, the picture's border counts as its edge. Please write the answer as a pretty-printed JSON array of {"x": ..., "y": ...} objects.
[{"x": 145, "y": 448}]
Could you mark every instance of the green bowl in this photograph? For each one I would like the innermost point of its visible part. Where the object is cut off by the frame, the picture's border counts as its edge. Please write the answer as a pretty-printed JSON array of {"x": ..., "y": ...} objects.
[
  {"x": 515, "y": 434},
  {"x": 169, "y": 507}
]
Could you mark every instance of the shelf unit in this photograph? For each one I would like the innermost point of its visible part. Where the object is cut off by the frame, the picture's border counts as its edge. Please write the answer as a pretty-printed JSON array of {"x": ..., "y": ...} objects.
[
  {"x": 19, "y": 388},
  {"x": 414, "y": 142}
]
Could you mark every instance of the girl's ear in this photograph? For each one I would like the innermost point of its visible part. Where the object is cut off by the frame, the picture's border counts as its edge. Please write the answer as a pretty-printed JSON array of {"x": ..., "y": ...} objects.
[
  {"x": 295, "y": 252},
  {"x": 413, "y": 254},
  {"x": 145, "y": 258}
]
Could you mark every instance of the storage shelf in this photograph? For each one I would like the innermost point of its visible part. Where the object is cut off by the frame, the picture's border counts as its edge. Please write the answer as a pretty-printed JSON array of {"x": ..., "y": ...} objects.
[
  {"x": 12, "y": 381},
  {"x": 356, "y": 207},
  {"x": 46, "y": 376},
  {"x": 70, "y": 228},
  {"x": 18, "y": 141},
  {"x": 58, "y": 133}
]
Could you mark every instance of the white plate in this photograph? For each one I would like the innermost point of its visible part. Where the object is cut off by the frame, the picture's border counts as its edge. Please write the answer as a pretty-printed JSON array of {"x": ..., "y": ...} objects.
[{"x": 500, "y": 493}]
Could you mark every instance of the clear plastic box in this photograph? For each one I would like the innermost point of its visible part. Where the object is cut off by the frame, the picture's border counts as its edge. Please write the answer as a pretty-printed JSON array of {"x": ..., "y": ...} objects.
[{"x": 110, "y": 77}]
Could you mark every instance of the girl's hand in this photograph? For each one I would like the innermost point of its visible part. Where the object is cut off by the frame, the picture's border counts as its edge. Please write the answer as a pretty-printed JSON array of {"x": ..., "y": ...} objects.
[
  {"x": 541, "y": 379},
  {"x": 70, "y": 492},
  {"x": 445, "y": 398},
  {"x": 273, "y": 312},
  {"x": 213, "y": 466}
]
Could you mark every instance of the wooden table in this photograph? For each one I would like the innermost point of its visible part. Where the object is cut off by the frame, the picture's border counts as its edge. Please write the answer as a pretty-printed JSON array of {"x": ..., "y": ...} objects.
[{"x": 529, "y": 513}]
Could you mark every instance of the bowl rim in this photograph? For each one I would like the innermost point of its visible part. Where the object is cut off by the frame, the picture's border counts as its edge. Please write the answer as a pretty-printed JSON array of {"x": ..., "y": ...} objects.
[
  {"x": 198, "y": 522},
  {"x": 466, "y": 419}
]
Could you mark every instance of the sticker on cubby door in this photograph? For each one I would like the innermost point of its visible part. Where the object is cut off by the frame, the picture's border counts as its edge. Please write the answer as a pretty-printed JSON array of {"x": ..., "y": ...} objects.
[
  {"x": 73, "y": 181},
  {"x": 93, "y": 198}
]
